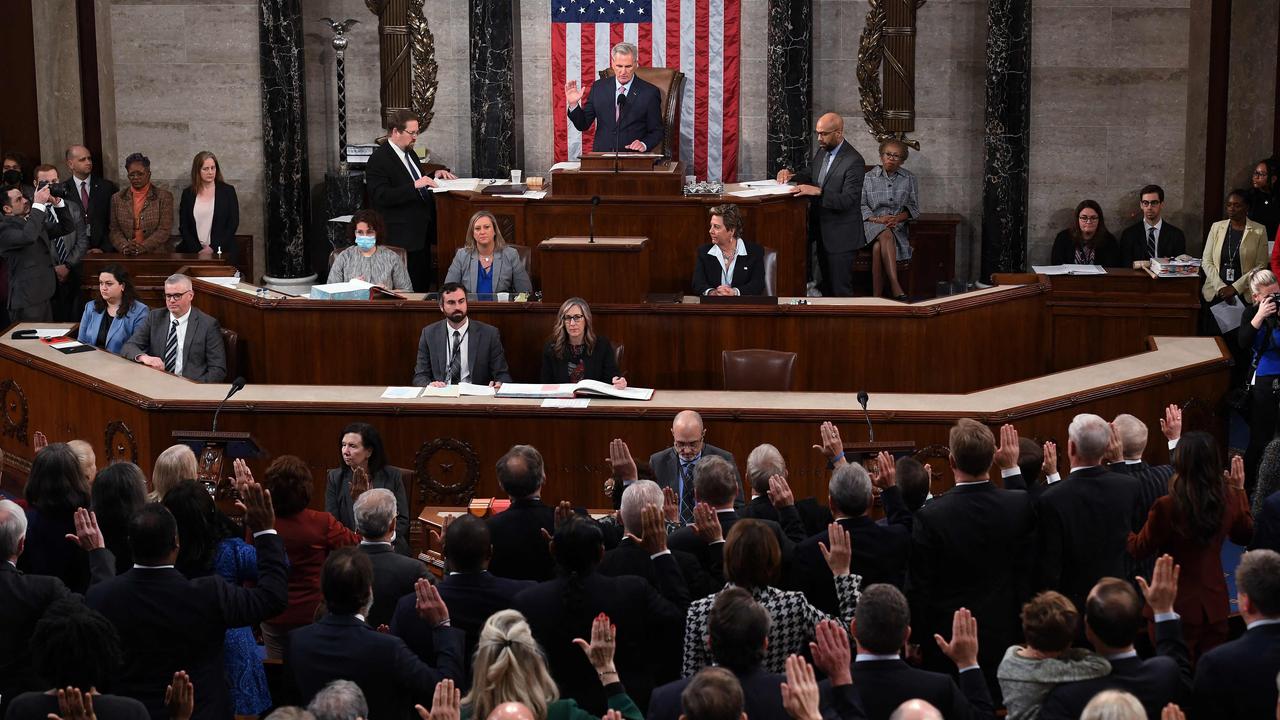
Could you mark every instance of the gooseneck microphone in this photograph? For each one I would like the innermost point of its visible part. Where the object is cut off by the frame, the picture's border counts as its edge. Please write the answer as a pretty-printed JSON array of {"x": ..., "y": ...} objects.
[
  {"x": 862, "y": 400},
  {"x": 236, "y": 387},
  {"x": 617, "y": 128},
  {"x": 591, "y": 218}
]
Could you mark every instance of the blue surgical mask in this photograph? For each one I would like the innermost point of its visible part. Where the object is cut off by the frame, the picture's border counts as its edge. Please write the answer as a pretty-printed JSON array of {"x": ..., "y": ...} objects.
[{"x": 365, "y": 242}]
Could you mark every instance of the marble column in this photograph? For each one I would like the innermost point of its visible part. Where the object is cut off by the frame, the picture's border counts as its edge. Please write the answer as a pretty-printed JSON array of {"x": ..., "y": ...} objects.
[
  {"x": 494, "y": 39},
  {"x": 1007, "y": 137},
  {"x": 284, "y": 138},
  {"x": 790, "y": 84}
]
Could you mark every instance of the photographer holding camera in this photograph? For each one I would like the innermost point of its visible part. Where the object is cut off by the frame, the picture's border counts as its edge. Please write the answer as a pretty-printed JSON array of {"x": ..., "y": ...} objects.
[
  {"x": 25, "y": 232},
  {"x": 1260, "y": 334},
  {"x": 67, "y": 249}
]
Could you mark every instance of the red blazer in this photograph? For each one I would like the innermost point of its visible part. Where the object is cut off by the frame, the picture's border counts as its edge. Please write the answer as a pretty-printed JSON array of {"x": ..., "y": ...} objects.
[
  {"x": 1202, "y": 588},
  {"x": 308, "y": 538}
]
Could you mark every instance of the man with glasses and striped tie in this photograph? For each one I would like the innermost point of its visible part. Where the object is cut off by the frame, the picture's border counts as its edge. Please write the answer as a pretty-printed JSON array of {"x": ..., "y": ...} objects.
[
  {"x": 673, "y": 467},
  {"x": 185, "y": 341},
  {"x": 1153, "y": 236}
]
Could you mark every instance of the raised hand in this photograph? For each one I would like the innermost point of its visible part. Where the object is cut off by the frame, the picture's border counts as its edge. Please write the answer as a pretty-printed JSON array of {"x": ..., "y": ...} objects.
[
  {"x": 242, "y": 472},
  {"x": 621, "y": 462},
  {"x": 1163, "y": 588},
  {"x": 885, "y": 475},
  {"x": 428, "y": 604},
  {"x": 832, "y": 446},
  {"x": 446, "y": 703},
  {"x": 180, "y": 696},
  {"x": 600, "y": 650},
  {"x": 1050, "y": 464},
  {"x": 572, "y": 93},
  {"x": 359, "y": 481},
  {"x": 670, "y": 505},
  {"x": 1007, "y": 453},
  {"x": 963, "y": 648},
  {"x": 1114, "y": 453},
  {"x": 800, "y": 691},
  {"x": 706, "y": 523},
  {"x": 780, "y": 492},
  {"x": 74, "y": 705},
  {"x": 563, "y": 512},
  {"x": 654, "y": 531},
  {"x": 87, "y": 534},
  {"x": 840, "y": 552},
  {"x": 39, "y": 442},
  {"x": 1171, "y": 423},
  {"x": 830, "y": 650},
  {"x": 1235, "y": 476},
  {"x": 254, "y": 502},
  {"x": 1172, "y": 712}
]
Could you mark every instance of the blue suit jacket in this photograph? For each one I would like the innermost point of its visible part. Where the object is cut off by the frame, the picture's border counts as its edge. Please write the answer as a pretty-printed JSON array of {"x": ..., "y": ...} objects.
[
  {"x": 120, "y": 330},
  {"x": 641, "y": 117}
]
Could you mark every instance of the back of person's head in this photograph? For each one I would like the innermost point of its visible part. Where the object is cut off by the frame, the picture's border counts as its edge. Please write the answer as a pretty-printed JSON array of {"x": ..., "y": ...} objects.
[
  {"x": 1090, "y": 435},
  {"x": 850, "y": 490},
  {"x": 1133, "y": 435},
  {"x": 972, "y": 447},
  {"x": 512, "y": 711},
  {"x": 86, "y": 457},
  {"x": 764, "y": 462},
  {"x": 1197, "y": 488},
  {"x": 339, "y": 700},
  {"x": 1049, "y": 622},
  {"x": 153, "y": 534},
  {"x": 1258, "y": 576},
  {"x": 75, "y": 646},
  {"x": 288, "y": 479},
  {"x": 881, "y": 619},
  {"x": 347, "y": 581},
  {"x": 200, "y": 528},
  {"x": 1030, "y": 460},
  {"x": 737, "y": 627},
  {"x": 578, "y": 545},
  {"x": 118, "y": 491},
  {"x": 752, "y": 557},
  {"x": 467, "y": 544},
  {"x": 56, "y": 484},
  {"x": 175, "y": 464},
  {"x": 715, "y": 481},
  {"x": 290, "y": 712},
  {"x": 375, "y": 512},
  {"x": 13, "y": 528},
  {"x": 637, "y": 495},
  {"x": 713, "y": 694},
  {"x": 509, "y": 667},
  {"x": 1114, "y": 705},
  {"x": 521, "y": 471},
  {"x": 913, "y": 482},
  {"x": 1113, "y": 612},
  {"x": 916, "y": 710}
]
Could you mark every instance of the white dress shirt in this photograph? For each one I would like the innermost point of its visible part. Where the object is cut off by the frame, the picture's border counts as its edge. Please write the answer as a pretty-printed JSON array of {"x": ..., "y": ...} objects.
[
  {"x": 182, "y": 339},
  {"x": 465, "y": 372}
]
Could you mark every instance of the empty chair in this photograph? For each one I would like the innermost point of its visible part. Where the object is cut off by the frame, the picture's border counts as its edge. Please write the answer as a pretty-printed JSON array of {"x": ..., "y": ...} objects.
[{"x": 760, "y": 370}]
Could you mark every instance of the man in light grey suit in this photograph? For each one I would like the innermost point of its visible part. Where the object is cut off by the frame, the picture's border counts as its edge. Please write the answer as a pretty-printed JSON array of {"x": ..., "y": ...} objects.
[
  {"x": 25, "y": 230},
  {"x": 184, "y": 340},
  {"x": 834, "y": 181},
  {"x": 457, "y": 349},
  {"x": 673, "y": 467}
]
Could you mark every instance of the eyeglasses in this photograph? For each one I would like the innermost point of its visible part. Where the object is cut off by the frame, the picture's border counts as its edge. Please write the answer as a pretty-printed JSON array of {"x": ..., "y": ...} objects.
[
  {"x": 687, "y": 445},
  {"x": 824, "y": 133},
  {"x": 575, "y": 318},
  {"x": 175, "y": 296},
  {"x": 895, "y": 156},
  {"x": 1259, "y": 174},
  {"x": 1150, "y": 203},
  {"x": 136, "y": 174},
  {"x": 414, "y": 133},
  {"x": 1088, "y": 218}
]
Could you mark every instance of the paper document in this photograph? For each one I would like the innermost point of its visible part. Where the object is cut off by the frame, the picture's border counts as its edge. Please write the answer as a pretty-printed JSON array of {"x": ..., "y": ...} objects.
[
  {"x": 223, "y": 280},
  {"x": 570, "y": 165},
  {"x": 476, "y": 390},
  {"x": 42, "y": 333},
  {"x": 446, "y": 391},
  {"x": 1227, "y": 315},
  {"x": 401, "y": 393},
  {"x": 562, "y": 403},
  {"x": 1069, "y": 269},
  {"x": 760, "y": 191},
  {"x": 534, "y": 194},
  {"x": 763, "y": 183},
  {"x": 64, "y": 343},
  {"x": 456, "y": 184}
]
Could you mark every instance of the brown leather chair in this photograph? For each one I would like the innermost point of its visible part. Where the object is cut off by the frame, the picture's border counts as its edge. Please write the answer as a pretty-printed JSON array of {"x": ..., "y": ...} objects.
[
  {"x": 526, "y": 257},
  {"x": 670, "y": 84},
  {"x": 231, "y": 343},
  {"x": 404, "y": 256},
  {"x": 862, "y": 265},
  {"x": 759, "y": 370},
  {"x": 770, "y": 271},
  {"x": 618, "y": 349}
]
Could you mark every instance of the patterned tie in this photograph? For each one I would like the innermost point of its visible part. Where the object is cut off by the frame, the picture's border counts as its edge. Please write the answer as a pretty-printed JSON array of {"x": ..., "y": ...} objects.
[
  {"x": 84, "y": 205},
  {"x": 455, "y": 359},
  {"x": 171, "y": 349},
  {"x": 59, "y": 248},
  {"x": 617, "y": 103},
  {"x": 1151, "y": 240},
  {"x": 822, "y": 174},
  {"x": 686, "y": 493}
]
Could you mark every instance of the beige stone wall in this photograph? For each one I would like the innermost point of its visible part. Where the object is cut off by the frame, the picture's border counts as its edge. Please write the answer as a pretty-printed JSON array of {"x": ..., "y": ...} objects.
[
  {"x": 1251, "y": 92},
  {"x": 57, "y": 79}
]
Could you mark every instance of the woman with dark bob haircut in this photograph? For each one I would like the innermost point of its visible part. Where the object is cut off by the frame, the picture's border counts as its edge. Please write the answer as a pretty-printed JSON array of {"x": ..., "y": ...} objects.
[
  {"x": 119, "y": 491},
  {"x": 364, "y": 467},
  {"x": 308, "y": 536},
  {"x": 753, "y": 562},
  {"x": 56, "y": 488}
]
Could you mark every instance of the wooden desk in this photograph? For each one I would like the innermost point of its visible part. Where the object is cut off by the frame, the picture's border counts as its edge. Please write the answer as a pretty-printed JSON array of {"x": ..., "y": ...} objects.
[
  {"x": 150, "y": 270},
  {"x": 610, "y": 269}
]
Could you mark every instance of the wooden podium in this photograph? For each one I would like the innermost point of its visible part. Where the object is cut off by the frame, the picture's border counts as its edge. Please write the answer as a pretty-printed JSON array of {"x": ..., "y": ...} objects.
[
  {"x": 620, "y": 174},
  {"x": 214, "y": 452},
  {"x": 609, "y": 270}
]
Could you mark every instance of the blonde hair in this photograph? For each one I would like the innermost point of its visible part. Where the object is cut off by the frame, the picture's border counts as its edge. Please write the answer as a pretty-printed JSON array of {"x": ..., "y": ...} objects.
[
  {"x": 498, "y": 241},
  {"x": 88, "y": 461},
  {"x": 509, "y": 667},
  {"x": 1261, "y": 278},
  {"x": 175, "y": 464}
]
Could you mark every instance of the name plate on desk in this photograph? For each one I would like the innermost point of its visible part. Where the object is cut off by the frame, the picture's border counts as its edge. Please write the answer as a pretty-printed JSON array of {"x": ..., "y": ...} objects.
[{"x": 606, "y": 270}]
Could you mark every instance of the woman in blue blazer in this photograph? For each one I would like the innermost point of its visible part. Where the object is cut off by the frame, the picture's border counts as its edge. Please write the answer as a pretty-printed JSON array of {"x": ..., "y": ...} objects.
[
  {"x": 486, "y": 265},
  {"x": 109, "y": 321}
]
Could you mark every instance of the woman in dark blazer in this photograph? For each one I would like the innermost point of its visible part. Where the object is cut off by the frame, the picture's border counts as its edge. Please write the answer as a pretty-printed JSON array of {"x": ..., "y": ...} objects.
[
  {"x": 364, "y": 465},
  {"x": 209, "y": 212},
  {"x": 728, "y": 265},
  {"x": 575, "y": 352},
  {"x": 1087, "y": 241}
]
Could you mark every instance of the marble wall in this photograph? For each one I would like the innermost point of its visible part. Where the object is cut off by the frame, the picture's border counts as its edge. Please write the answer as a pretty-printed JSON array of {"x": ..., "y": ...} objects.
[{"x": 57, "y": 79}]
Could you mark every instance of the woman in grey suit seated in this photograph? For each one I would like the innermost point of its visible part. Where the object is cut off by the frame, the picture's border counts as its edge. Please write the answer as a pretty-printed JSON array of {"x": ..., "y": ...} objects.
[
  {"x": 109, "y": 321},
  {"x": 365, "y": 260},
  {"x": 485, "y": 265},
  {"x": 364, "y": 466}
]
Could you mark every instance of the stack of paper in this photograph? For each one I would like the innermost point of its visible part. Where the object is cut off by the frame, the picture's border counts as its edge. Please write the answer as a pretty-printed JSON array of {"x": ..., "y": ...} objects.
[
  {"x": 570, "y": 165},
  {"x": 349, "y": 290},
  {"x": 471, "y": 184},
  {"x": 1069, "y": 269}
]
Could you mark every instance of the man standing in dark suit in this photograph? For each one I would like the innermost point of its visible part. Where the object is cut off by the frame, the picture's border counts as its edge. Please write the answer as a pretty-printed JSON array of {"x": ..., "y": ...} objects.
[
  {"x": 1238, "y": 679},
  {"x": 393, "y": 574},
  {"x": 68, "y": 249},
  {"x": 1151, "y": 237},
  {"x": 399, "y": 190},
  {"x": 26, "y": 229},
  {"x": 627, "y": 107},
  {"x": 168, "y": 623},
  {"x": 1113, "y": 618},
  {"x": 673, "y": 468},
  {"x": 1153, "y": 480},
  {"x": 342, "y": 646},
  {"x": 772, "y": 498},
  {"x": 643, "y": 550},
  {"x": 834, "y": 181},
  {"x": 519, "y": 550},
  {"x": 458, "y": 350},
  {"x": 179, "y": 339},
  {"x": 92, "y": 194}
]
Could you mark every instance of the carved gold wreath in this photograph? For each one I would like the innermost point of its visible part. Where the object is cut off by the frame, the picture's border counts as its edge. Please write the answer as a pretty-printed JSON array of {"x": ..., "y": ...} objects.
[
  {"x": 424, "y": 70},
  {"x": 870, "y": 53}
]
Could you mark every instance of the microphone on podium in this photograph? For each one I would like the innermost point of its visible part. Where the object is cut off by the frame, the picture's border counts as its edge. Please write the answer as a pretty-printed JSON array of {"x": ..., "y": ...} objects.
[
  {"x": 862, "y": 400},
  {"x": 236, "y": 386},
  {"x": 622, "y": 102},
  {"x": 591, "y": 218}
]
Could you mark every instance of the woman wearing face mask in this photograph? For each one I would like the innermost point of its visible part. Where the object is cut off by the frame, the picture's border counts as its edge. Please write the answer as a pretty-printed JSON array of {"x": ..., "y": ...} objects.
[
  {"x": 365, "y": 260},
  {"x": 209, "y": 212}
]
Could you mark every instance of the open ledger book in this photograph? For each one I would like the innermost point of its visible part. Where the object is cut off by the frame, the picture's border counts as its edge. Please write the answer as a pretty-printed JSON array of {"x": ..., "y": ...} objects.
[{"x": 585, "y": 388}]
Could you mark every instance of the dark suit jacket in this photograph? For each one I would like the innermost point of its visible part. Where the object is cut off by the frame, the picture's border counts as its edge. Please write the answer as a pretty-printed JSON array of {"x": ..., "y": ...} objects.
[
  {"x": 226, "y": 220},
  {"x": 337, "y": 499},
  {"x": 75, "y": 234},
  {"x": 886, "y": 684},
  {"x": 1238, "y": 679},
  {"x": 641, "y": 117},
  {"x": 519, "y": 552},
  {"x": 1107, "y": 254},
  {"x": 169, "y": 623},
  {"x": 1155, "y": 682},
  {"x": 341, "y": 647},
  {"x": 837, "y": 213},
  {"x": 484, "y": 353},
  {"x": 1133, "y": 242},
  {"x": 761, "y": 696},
  {"x": 647, "y": 623},
  {"x": 1266, "y": 525},
  {"x": 814, "y": 517},
  {"x": 601, "y": 365},
  {"x": 393, "y": 576},
  {"x": 711, "y": 556},
  {"x": 25, "y": 245},
  {"x": 748, "y": 271},
  {"x": 677, "y": 576},
  {"x": 665, "y": 465},
  {"x": 98, "y": 217},
  {"x": 204, "y": 357},
  {"x": 409, "y": 215}
]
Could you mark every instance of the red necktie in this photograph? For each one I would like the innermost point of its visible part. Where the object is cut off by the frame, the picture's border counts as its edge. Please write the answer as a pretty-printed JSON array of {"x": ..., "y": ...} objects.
[{"x": 84, "y": 196}]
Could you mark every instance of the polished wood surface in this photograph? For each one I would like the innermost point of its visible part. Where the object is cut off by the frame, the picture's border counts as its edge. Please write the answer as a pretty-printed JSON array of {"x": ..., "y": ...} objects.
[
  {"x": 615, "y": 162},
  {"x": 149, "y": 271},
  {"x": 611, "y": 270}
]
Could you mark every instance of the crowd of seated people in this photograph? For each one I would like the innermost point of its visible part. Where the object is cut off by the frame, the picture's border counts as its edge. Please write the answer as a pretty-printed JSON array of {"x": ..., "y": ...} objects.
[{"x": 1020, "y": 588}]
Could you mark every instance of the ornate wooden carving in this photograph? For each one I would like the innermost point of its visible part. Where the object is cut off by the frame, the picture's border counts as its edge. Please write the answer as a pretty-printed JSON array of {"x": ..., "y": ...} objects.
[
  {"x": 889, "y": 98},
  {"x": 15, "y": 410},
  {"x": 407, "y": 58},
  {"x": 438, "y": 479},
  {"x": 937, "y": 457},
  {"x": 120, "y": 444}
]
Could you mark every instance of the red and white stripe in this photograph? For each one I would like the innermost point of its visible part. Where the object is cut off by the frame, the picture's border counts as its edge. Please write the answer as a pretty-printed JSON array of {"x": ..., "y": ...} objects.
[{"x": 701, "y": 38}]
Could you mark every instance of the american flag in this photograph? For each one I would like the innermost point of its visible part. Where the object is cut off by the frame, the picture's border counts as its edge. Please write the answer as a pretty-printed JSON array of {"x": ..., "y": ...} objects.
[{"x": 700, "y": 37}]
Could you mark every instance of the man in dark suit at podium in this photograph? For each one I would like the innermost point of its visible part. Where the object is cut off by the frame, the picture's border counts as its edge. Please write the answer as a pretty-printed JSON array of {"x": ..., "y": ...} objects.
[
  {"x": 1153, "y": 236},
  {"x": 628, "y": 107},
  {"x": 399, "y": 190}
]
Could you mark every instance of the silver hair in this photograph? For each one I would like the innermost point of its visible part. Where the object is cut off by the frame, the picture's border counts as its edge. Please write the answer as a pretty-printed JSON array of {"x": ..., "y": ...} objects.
[
  {"x": 1113, "y": 705},
  {"x": 1261, "y": 278},
  {"x": 850, "y": 489},
  {"x": 625, "y": 48},
  {"x": 13, "y": 527},
  {"x": 339, "y": 700},
  {"x": 638, "y": 494},
  {"x": 177, "y": 279},
  {"x": 375, "y": 512},
  {"x": 764, "y": 462},
  {"x": 1091, "y": 435}
]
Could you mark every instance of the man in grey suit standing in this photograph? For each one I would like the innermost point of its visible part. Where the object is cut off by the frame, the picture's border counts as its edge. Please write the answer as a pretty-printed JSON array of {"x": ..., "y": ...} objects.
[
  {"x": 834, "y": 181},
  {"x": 673, "y": 467},
  {"x": 25, "y": 230},
  {"x": 456, "y": 349},
  {"x": 185, "y": 341}
]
